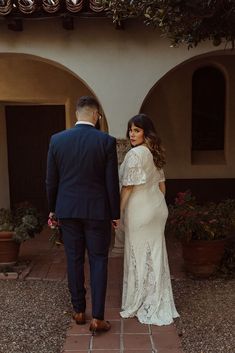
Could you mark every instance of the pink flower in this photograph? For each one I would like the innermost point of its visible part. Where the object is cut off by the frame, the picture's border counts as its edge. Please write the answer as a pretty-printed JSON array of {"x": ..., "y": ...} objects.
[
  {"x": 53, "y": 224},
  {"x": 179, "y": 201},
  {"x": 181, "y": 195}
]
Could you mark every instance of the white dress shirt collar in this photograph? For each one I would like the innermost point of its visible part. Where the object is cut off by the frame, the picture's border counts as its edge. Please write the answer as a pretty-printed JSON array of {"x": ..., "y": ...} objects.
[{"x": 84, "y": 122}]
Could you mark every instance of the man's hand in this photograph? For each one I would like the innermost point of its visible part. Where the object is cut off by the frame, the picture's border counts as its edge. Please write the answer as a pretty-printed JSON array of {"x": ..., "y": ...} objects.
[
  {"x": 52, "y": 221},
  {"x": 116, "y": 223}
]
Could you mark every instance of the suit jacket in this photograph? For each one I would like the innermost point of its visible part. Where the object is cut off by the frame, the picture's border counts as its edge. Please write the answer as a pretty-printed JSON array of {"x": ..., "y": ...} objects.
[{"x": 82, "y": 174}]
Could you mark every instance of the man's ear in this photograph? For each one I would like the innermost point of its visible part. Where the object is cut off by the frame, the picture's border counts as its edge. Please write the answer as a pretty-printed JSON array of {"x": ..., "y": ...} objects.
[
  {"x": 94, "y": 116},
  {"x": 97, "y": 125}
]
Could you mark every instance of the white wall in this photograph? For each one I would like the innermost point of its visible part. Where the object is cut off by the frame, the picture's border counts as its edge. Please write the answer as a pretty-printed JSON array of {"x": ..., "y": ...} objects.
[{"x": 120, "y": 67}]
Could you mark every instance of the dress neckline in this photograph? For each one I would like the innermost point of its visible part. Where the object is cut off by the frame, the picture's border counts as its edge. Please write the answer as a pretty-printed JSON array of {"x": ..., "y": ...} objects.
[{"x": 141, "y": 146}]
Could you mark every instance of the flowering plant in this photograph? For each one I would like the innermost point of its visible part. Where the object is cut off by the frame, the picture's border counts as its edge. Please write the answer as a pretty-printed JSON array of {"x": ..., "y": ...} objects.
[
  {"x": 56, "y": 235},
  {"x": 189, "y": 220},
  {"x": 24, "y": 221}
]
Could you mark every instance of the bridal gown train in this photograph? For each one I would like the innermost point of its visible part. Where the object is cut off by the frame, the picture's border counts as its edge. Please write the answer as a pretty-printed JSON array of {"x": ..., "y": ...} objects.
[{"x": 147, "y": 291}]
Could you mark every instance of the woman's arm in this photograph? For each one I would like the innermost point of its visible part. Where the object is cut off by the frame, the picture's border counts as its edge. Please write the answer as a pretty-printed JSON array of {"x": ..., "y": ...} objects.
[
  {"x": 125, "y": 194},
  {"x": 162, "y": 187}
]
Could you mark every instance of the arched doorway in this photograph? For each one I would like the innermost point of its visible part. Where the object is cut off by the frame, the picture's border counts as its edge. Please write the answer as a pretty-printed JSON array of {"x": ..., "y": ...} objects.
[{"x": 37, "y": 99}]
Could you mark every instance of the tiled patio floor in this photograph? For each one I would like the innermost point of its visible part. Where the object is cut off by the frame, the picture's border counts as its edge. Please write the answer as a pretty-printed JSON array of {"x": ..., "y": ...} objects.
[{"x": 126, "y": 335}]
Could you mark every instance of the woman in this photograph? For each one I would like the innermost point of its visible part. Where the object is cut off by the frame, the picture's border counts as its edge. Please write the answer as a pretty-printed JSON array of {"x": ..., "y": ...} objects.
[{"x": 147, "y": 292}]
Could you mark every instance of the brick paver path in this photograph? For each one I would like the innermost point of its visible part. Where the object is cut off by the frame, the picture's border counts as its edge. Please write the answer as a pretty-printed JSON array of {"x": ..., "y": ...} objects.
[{"x": 126, "y": 335}]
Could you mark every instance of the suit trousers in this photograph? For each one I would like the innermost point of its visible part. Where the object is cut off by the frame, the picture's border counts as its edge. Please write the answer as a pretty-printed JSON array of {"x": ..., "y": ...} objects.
[{"x": 93, "y": 235}]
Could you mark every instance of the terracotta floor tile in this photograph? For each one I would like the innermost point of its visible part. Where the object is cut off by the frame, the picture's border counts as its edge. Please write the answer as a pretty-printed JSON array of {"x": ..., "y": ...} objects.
[
  {"x": 39, "y": 271},
  {"x": 173, "y": 350},
  {"x": 76, "y": 342},
  {"x": 57, "y": 271},
  {"x": 88, "y": 302},
  {"x": 88, "y": 312},
  {"x": 106, "y": 341},
  {"x": 106, "y": 351},
  {"x": 134, "y": 341},
  {"x": 117, "y": 285},
  {"x": 112, "y": 314},
  {"x": 138, "y": 351},
  {"x": 75, "y": 329},
  {"x": 166, "y": 341},
  {"x": 82, "y": 351},
  {"x": 115, "y": 326},
  {"x": 113, "y": 301},
  {"x": 114, "y": 292},
  {"x": 76, "y": 351},
  {"x": 163, "y": 329},
  {"x": 134, "y": 326}
]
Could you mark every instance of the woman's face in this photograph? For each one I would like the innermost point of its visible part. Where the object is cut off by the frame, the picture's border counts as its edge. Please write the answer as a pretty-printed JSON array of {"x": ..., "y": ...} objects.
[{"x": 136, "y": 135}]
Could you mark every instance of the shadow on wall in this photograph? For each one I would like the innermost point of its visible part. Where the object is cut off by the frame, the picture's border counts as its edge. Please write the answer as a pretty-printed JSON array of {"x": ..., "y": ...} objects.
[{"x": 204, "y": 189}]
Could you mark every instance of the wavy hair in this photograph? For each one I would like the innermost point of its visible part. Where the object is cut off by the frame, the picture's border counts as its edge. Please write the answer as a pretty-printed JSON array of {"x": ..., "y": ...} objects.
[{"x": 152, "y": 140}]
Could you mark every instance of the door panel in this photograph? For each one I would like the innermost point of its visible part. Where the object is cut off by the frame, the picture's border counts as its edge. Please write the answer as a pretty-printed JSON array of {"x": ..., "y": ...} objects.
[{"x": 29, "y": 128}]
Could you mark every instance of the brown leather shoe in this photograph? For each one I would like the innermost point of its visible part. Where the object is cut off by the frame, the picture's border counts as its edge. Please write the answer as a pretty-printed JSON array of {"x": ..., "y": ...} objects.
[
  {"x": 99, "y": 326},
  {"x": 80, "y": 318}
]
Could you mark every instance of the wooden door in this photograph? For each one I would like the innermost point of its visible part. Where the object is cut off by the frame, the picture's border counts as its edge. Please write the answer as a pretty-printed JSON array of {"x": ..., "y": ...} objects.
[{"x": 29, "y": 128}]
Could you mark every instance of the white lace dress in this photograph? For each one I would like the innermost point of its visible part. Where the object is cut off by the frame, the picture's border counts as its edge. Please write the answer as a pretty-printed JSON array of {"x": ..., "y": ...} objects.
[{"x": 147, "y": 292}]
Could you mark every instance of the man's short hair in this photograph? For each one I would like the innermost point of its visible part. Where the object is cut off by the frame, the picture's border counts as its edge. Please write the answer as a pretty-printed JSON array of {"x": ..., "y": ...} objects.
[{"x": 87, "y": 101}]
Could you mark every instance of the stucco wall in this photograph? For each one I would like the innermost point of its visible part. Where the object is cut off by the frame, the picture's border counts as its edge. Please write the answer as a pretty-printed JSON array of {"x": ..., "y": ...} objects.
[
  {"x": 120, "y": 67},
  {"x": 169, "y": 104}
]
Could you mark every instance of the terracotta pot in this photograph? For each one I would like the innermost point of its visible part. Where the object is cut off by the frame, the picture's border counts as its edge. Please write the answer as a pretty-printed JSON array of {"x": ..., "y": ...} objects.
[
  {"x": 201, "y": 257},
  {"x": 9, "y": 249}
]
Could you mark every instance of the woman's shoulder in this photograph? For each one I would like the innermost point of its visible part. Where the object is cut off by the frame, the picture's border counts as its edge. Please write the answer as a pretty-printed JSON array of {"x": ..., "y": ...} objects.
[
  {"x": 144, "y": 154},
  {"x": 133, "y": 157},
  {"x": 131, "y": 170},
  {"x": 138, "y": 157},
  {"x": 131, "y": 153},
  {"x": 140, "y": 150}
]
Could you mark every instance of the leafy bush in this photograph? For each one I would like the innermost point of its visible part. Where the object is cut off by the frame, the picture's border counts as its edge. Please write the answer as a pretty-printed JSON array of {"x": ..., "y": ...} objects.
[
  {"x": 25, "y": 221},
  {"x": 189, "y": 220}
]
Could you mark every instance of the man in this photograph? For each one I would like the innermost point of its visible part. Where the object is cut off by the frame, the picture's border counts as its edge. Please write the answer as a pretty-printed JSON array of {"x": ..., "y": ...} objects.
[{"x": 83, "y": 192}]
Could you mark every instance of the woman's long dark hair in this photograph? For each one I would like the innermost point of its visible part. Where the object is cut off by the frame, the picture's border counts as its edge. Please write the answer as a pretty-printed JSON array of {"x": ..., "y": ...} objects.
[{"x": 152, "y": 140}]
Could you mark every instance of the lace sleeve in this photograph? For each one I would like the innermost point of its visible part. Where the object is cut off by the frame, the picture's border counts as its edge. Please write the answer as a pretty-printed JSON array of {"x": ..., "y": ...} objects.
[
  {"x": 161, "y": 175},
  {"x": 132, "y": 172}
]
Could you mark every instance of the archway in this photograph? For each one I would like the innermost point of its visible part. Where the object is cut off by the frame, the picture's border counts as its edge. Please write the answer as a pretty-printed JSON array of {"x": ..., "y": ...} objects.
[
  {"x": 41, "y": 95},
  {"x": 169, "y": 103}
]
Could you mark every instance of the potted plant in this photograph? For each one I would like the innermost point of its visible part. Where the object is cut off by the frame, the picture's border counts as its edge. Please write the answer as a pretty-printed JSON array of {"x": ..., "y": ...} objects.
[
  {"x": 202, "y": 230},
  {"x": 16, "y": 226}
]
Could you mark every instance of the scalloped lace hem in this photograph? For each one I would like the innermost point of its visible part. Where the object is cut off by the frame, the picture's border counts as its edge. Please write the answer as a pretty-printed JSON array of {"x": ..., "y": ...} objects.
[{"x": 148, "y": 297}]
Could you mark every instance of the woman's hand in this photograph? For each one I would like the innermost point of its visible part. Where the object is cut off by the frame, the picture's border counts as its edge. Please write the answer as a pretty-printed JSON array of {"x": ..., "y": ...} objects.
[{"x": 162, "y": 187}]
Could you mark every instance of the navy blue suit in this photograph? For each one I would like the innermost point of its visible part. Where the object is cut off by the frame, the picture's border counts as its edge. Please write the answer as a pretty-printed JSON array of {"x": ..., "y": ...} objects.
[{"x": 83, "y": 191}]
